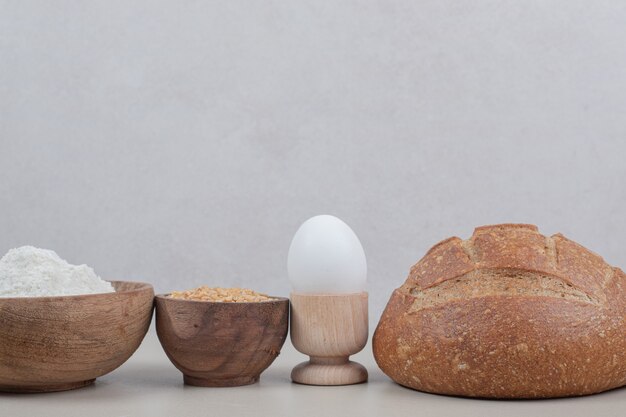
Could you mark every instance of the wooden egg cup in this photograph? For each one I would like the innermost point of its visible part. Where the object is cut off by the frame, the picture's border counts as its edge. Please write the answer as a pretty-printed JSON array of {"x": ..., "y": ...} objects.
[{"x": 329, "y": 328}]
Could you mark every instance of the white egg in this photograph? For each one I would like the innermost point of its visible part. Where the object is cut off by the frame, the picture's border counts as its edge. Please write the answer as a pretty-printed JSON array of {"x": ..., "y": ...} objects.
[{"x": 326, "y": 256}]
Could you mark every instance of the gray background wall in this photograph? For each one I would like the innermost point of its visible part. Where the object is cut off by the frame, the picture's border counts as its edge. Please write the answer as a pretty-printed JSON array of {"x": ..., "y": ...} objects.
[{"x": 182, "y": 143}]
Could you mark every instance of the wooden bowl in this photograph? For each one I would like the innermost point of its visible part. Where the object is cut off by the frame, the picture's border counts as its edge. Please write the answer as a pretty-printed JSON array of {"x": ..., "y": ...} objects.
[
  {"x": 221, "y": 344},
  {"x": 61, "y": 343}
]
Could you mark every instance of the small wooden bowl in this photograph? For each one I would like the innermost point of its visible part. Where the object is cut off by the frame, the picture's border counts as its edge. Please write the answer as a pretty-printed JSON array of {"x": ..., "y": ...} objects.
[
  {"x": 61, "y": 343},
  {"x": 221, "y": 344}
]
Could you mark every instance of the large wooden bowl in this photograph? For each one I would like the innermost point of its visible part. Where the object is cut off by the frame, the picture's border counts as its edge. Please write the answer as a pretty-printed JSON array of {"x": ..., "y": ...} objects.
[
  {"x": 221, "y": 344},
  {"x": 62, "y": 343}
]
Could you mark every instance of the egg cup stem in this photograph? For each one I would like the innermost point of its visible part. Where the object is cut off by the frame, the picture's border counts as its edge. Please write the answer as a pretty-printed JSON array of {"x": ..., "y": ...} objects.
[{"x": 329, "y": 328}]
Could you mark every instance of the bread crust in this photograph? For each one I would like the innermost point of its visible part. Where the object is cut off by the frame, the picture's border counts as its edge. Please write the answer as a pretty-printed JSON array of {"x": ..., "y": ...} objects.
[{"x": 508, "y": 313}]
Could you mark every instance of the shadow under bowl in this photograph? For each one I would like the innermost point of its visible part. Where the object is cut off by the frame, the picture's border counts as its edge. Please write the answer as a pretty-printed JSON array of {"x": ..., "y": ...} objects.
[
  {"x": 221, "y": 344},
  {"x": 66, "y": 342}
]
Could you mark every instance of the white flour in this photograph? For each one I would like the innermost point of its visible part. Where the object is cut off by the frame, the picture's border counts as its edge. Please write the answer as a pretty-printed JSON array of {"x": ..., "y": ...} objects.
[{"x": 33, "y": 272}]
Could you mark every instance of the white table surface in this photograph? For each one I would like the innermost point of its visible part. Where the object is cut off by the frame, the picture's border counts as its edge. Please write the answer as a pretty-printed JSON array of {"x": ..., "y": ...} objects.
[{"x": 148, "y": 384}]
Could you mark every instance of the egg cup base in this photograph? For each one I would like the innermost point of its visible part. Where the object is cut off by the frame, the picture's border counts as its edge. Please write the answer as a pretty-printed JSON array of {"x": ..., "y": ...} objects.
[{"x": 311, "y": 373}]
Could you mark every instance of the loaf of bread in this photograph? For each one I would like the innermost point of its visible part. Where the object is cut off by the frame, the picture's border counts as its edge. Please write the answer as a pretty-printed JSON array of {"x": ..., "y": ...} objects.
[{"x": 509, "y": 313}]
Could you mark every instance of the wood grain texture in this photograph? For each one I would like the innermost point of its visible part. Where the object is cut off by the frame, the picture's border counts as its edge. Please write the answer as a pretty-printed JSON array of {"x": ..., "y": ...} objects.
[
  {"x": 221, "y": 344},
  {"x": 508, "y": 313},
  {"x": 61, "y": 343},
  {"x": 329, "y": 328}
]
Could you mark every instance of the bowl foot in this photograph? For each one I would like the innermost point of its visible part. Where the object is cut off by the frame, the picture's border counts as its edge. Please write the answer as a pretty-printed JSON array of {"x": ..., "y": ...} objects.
[
  {"x": 220, "y": 382},
  {"x": 45, "y": 387},
  {"x": 316, "y": 372}
]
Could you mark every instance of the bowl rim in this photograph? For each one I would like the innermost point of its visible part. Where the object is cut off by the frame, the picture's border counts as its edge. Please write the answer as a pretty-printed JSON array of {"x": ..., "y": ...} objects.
[
  {"x": 142, "y": 286},
  {"x": 275, "y": 299}
]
